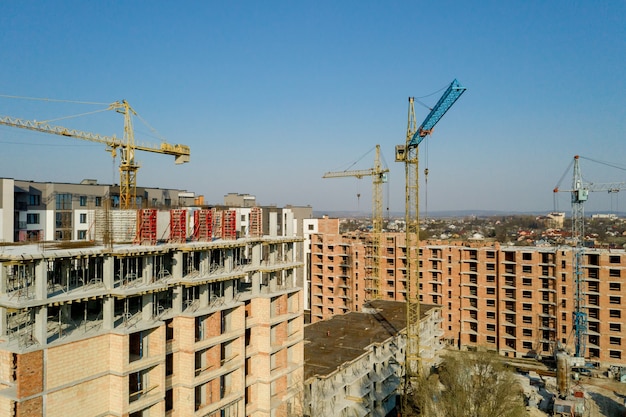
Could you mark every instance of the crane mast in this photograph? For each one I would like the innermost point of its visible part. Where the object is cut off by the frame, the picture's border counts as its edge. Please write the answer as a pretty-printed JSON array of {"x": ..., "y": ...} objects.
[
  {"x": 379, "y": 177},
  {"x": 128, "y": 166},
  {"x": 579, "y": 195},
  {"x": 408, "y": 154}
]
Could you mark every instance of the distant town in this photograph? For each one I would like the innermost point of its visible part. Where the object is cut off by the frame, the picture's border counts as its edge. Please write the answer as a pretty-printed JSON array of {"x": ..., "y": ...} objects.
[{"x": 601, "y": 230}]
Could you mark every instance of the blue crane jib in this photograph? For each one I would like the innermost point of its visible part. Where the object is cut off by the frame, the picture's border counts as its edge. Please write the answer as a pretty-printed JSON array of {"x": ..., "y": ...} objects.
[{"x": 452, "y": 93}]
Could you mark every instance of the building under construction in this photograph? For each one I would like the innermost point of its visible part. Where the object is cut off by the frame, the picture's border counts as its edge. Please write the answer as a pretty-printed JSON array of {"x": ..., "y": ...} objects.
[
  {"x": 159, "y": 311},
  {"x": 353, "y": 362},
  {"x": 517, "y": 300}
]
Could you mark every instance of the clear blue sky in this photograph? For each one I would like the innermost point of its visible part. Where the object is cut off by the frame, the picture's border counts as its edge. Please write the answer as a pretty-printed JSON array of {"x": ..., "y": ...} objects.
[{"x": 269, "y": 95}]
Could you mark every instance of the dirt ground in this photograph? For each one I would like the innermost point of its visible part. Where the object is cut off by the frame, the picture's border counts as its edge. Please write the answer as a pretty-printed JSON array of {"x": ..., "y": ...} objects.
[{"x": 605, "y": 398}]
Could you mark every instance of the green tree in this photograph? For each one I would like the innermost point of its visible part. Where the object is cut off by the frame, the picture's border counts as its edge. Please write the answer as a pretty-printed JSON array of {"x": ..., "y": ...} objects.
[{"x": 470, "y": 385}]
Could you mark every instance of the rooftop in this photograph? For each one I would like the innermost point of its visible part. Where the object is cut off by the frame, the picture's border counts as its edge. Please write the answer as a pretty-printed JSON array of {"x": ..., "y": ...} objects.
[{"x": 340, "y": 339}]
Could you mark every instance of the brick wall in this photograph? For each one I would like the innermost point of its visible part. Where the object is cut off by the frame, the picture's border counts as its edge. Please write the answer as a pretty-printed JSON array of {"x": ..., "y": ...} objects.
[
  {"x": 30, "y": 408},
  {"x": 76, "y": 361},
  {"x": 29, "y": 373},
  {"x": 89, "y": 398}
]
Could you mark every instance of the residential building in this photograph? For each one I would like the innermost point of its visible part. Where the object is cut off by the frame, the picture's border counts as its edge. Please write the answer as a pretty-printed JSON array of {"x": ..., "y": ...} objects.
[
  {"x": 198, "y": 328},
  {"x": 173, "y": 314},
  {"x": 35, "y": 211},
  {"x": 353, "y": 362},
  {"x": 517, "y": 300}
]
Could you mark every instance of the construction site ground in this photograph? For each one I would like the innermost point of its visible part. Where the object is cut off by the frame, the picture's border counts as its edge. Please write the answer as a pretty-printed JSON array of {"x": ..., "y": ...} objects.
[{"x": 604, "y": 397}]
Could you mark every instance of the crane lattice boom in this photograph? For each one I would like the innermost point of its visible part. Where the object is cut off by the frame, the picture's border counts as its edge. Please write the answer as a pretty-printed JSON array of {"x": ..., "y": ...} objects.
[
  {"x": 378, "y": 174},
  {"x": 126, "y": 145}
]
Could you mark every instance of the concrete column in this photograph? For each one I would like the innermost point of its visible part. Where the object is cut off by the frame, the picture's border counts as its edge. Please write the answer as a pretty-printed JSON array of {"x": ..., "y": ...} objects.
[
  {"x": 3, "y": 320},
  {"x": 40, "y": 333},
  {"x": 65, "y": 273},
  {"x": 108, "y": 271},
  {"x": 255, "y": 256},
  {"x": 229, "y": 263},
  {"x": 147, "y": 306},
  {"x": 256, "y": 261},
  {"x": 108, "y": 313},
  {"x": 204, "y": 262},
  {"x": 3, "y": 279},
  {"x": 177, "y": 265},
  {"x": 41, "y": 280},
  {"x": 148, "y": 269},
  {"x": 204, "y": 295},
  {"x": 177, "y": 301},
  {"x": 228, "y": 291}
]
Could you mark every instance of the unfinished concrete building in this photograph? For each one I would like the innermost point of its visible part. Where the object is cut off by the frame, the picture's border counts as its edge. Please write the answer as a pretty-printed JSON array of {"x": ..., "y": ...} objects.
[
  {"x": 201, "y": 328},
  {"x": 353, "y": 362}
]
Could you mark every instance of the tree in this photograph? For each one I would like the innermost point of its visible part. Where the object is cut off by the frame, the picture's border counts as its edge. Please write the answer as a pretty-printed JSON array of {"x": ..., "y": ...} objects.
[{"x": 470, "y": 385}]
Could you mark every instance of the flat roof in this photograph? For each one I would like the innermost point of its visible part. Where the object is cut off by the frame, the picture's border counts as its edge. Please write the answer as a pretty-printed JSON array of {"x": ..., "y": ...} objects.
[{"x": 343, "y": 338}]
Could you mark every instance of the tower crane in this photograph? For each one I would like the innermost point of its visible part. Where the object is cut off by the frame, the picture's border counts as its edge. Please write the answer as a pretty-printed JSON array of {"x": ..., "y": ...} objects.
[
  {"x": 379, "y": 176},
  {"x": 408, "y": 153},
  {"x": 126, "y": 145},
  {"x": 579, "y": 195}
]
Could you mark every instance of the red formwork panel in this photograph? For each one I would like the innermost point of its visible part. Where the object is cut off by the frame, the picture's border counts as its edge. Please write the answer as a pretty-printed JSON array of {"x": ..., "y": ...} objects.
[
  {"x": 178, "y": 225},
  {"x": 229, "y": 224},
  {"x": 256, "y": 222},
  {"x": 217, "y": 223},
  {"x": 146, "y": 227},
  {"x": 203, "y": 225}
]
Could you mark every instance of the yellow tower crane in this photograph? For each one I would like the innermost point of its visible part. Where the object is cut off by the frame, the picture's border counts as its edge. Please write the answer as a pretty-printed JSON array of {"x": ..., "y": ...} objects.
[
  {"x": 379, "y": 176},
  {"x": 408, "y": 154},
  {"x": 127, "y": 146}
]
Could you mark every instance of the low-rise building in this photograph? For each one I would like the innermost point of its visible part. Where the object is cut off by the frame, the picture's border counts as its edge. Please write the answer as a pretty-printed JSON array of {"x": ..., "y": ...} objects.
[{"x": 354, "y": 362}]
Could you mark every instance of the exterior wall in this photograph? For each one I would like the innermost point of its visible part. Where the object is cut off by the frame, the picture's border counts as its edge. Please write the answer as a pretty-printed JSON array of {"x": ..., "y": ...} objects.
[
  {"x": 239, "y": 200},
  {"x": 310, "y": 227},
  {"x": 21, "y": 198},
  {"x": 369, "y": 384},
  {"x": 7, "y": 186},
  {"x": 518, "y": 301},
  {"x": 366, "y": 386}
]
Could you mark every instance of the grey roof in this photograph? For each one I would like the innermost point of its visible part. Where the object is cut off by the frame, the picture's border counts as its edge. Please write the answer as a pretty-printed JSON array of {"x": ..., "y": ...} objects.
[{"x": 343, "y": 338}]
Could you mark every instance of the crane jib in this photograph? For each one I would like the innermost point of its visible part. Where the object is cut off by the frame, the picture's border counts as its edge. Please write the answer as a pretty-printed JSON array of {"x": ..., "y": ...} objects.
[{"x": 449, "y": 97}]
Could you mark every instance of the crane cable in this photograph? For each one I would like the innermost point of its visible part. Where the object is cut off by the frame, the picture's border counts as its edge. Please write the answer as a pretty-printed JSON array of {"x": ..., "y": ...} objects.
[
  {"x": 426, "y": 169},
  {"x": 54, "y": 100},
  {"x": 70, "y": 117}
]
